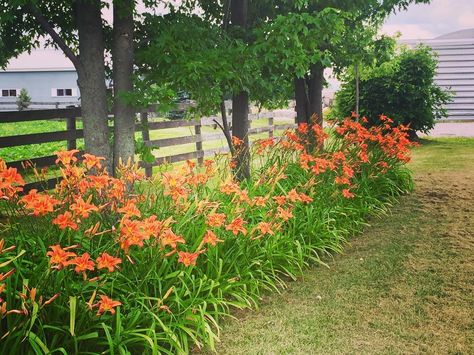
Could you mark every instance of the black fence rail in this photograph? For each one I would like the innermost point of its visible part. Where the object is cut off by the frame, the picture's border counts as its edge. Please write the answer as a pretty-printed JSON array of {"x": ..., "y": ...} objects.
[{"x": 72, "y": 134}]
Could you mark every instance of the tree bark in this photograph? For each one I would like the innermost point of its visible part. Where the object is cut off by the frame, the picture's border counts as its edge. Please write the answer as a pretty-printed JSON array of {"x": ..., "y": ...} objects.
[
  {"x": 315, "y": 91},
  {"x": 240, "y": 102},
  {"x": 123, "y": 53},
  {"x": 301, "y": 98},
  {"x": 309, "y": 96},
  {"x": 357, "y": 90},
  {"x": 240, "y": 129},
  {"x": 91, "y": 78},
  {"x": 225, "y": 126}
]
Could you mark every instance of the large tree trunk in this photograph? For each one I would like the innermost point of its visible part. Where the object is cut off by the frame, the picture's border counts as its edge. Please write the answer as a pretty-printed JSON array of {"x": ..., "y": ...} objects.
[
  {"x": 91, "y": 74},
  {"x": 315, "y": 90},
  {"x": 240, "y": 129},
  {"x": 357, "y": 89},
  {"x": 301, "y": 98},
  {"x": 240, "y": 102},
  {"x": 309, "y": 96},
  {"x": 124, "y": 115}
]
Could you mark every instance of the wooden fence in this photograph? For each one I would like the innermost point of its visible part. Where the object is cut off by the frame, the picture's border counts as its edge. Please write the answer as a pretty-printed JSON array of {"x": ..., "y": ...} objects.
[{"x": 72, "y": 133}]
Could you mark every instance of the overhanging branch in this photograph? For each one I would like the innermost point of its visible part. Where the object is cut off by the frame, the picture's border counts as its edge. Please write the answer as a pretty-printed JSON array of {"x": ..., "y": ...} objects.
[{"x": 54, "y": 35}]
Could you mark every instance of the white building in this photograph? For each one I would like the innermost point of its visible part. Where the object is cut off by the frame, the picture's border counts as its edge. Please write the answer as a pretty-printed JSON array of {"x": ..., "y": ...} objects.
[
  {"x": 48, "y": 76},
  {"x": 455, "y": 52}
]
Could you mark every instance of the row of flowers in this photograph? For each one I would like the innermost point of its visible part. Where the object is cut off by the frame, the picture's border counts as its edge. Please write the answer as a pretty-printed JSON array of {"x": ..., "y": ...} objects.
[{"x": 97, "y": 227}]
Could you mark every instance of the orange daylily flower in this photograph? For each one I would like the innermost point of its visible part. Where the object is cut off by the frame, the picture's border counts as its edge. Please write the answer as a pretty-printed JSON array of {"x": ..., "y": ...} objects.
[
  {"x": 211, "y": 238},
  {"x": 348, "y": 171},
  {"x": 294, "y": 196},
  {"x": 59, "y": 257},
  {"x": 41, "y": 204},
  {"x": 188, "y": 259},
  {"x": 171, "y": 239},
  {"x": 284, "y": 214},
  {"x": 263, "y": 144},
  {"x": 66, "y": 157},
  {"x": 131, "y": 233},
  {"x": 107, "y": 304},
  {"x": 99, "y": 182},
  {"x": 260, "y": 201},
  {"x": 130, "y": 209},
  {"x": 106, "y": 261},
  {"x": 65, "y": 220},
  {"x": 209, "y": 165},
  {"x": 215, "y": 219},
  {"x": 243, "y": 196},
  {"x": 236, "y": 141},
  {"x": 280, "y": 200},
  {"x": 190, "y": 164},
  {"x": 83, "y": 263},
  {"x": 10, "y": 182},
  {"x": 338, "y": 157},
  {"x": 303, "y": 128},
  {"x": 305, "y": 198},
  {"x": 342, "y": 180},
  {"x": 236, "y": 226},
  {"x": 91, "y": 161},
  {"x": 83, "y": 208},
  {"x": 229, "y": 187},
  {"x": 347, "y": 194},
  {"x": 292, "y": 136},
  {"x": 152, "y": 226},
  {"x": 265, "y": 228}
]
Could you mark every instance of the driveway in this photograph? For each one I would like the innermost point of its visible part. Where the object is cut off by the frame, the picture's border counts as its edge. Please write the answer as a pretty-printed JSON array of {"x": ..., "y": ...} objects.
[{"x": 452, "y": 129}]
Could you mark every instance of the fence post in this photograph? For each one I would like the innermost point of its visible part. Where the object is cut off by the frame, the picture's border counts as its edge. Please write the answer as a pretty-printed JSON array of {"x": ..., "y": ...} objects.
[
  {"x": 199, "y": 151},
  {"x": 146, "y": 138},
  {"x": 71, "y": 127},
  {"x": 272, "y": 127}
]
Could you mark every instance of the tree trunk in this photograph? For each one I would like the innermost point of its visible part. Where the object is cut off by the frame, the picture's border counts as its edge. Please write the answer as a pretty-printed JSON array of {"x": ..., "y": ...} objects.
[
  {"x": 309, "y": 96},
  {"x": 240, "y": 101},
  {"x": 315, "y": 90},
  {"x": 301, "y": 99},
  {"x": 357, "y": 91},
  {"x": 91, "y": 78},
  {"x": 240, "y": 129},
  {"x": 225, "y": 126},
  {"x": 124, "y": 115}
]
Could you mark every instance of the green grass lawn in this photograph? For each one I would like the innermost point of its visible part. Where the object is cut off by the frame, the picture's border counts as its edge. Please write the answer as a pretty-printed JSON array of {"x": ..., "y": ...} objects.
[
  {"x": 33, "y": 150},
  {"x": 39, "y": 150},
  {"x": 405, "y": 286}
]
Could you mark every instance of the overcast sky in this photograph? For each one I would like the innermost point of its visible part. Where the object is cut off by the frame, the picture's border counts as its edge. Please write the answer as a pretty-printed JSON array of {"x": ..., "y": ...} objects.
[{"x": 432, "y": 20}]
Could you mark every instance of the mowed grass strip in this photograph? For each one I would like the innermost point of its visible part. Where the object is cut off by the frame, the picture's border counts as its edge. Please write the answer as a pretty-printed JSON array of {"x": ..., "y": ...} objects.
[{"x": 406, "y": 285}]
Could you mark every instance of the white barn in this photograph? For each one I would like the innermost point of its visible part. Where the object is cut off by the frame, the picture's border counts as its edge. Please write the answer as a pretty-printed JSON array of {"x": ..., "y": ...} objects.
[
  {"x": 48, "y": 76},
  {"x": 455, "y": 52}
]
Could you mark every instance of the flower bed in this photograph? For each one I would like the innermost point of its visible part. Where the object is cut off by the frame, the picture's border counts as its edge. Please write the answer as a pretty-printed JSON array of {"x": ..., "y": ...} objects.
[{"x": 128, "y": 265}]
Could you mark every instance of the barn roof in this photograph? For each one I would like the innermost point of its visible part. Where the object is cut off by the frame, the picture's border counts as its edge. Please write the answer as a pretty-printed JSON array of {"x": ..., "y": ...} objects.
[
  {"x": 40, "y": 60},
  {"x": 462, "y": 34}
]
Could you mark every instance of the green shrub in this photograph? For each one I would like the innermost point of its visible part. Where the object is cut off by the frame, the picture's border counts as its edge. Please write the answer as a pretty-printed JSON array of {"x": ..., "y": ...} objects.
[{"x": 401, "y": 87}]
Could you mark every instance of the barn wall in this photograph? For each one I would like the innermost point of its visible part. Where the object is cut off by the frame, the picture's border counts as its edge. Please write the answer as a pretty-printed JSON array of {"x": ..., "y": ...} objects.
[
  {"x": 456, "y": 72},
  {"x": 39, "y": 85}
]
